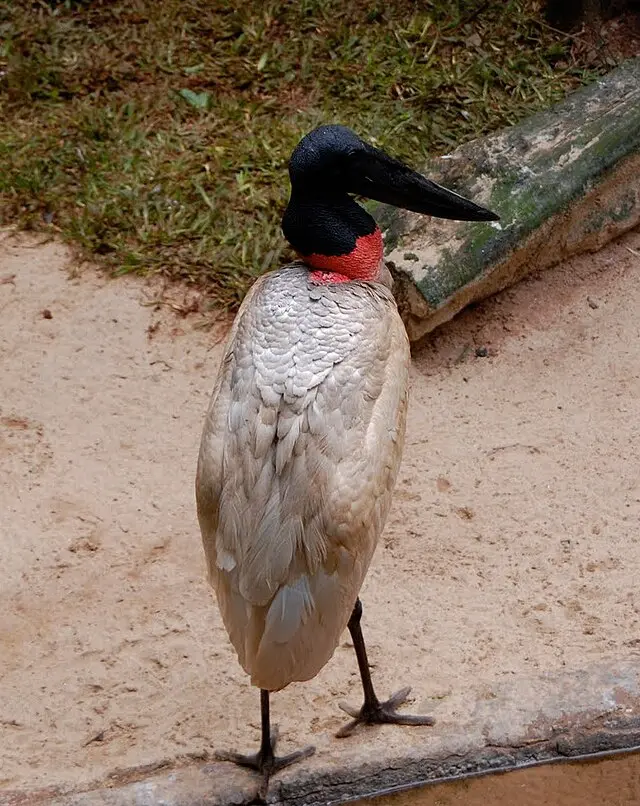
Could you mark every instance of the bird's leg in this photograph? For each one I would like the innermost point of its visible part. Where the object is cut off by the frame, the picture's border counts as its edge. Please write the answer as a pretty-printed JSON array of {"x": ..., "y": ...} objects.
[
  {"x": 265, "y": 761},
  {"x": 374, "y": 712}
]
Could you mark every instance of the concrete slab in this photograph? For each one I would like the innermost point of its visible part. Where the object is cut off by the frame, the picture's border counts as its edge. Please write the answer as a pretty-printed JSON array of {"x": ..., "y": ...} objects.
[{"x": 565, "y": 181}]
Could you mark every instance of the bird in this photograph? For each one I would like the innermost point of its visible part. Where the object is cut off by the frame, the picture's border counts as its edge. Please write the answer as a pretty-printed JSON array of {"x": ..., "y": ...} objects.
[{"x": 304, "y": 433}]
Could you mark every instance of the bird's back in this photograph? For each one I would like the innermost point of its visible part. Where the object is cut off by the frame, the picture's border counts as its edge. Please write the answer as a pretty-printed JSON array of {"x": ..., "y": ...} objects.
[{"x": 299, "y": 455}]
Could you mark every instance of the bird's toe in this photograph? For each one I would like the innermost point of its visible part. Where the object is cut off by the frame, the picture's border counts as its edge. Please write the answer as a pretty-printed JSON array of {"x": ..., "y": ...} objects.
[{"x": 382, "y": 713}]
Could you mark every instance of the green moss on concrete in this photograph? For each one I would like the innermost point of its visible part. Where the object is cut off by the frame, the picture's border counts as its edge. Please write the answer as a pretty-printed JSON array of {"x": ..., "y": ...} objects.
[{"x": 537, "y": 170}]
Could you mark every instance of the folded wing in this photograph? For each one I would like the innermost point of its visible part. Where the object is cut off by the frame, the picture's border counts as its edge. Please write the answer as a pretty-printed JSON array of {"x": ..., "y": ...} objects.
[{"x": 299, "y": 455}]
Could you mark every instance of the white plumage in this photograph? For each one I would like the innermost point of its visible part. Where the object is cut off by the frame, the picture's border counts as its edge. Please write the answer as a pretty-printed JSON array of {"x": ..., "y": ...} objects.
[{"x": 299, "y": 455}]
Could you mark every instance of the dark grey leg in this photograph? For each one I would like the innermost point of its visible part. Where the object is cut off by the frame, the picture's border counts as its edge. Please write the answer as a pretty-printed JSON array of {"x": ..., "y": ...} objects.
[
  {"x": 374, "y": 712},
  {"x": 265, "y": 761}
]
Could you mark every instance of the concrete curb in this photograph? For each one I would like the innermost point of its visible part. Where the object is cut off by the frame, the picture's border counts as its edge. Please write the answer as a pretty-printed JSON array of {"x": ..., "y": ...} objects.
[
  {"x": 564, "y": 717},
  {"x": 564, "y": 182}
]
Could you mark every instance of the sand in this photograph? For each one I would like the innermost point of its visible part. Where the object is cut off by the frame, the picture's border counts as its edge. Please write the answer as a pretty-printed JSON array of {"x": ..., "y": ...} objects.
[{"x": 512, "y": 549}]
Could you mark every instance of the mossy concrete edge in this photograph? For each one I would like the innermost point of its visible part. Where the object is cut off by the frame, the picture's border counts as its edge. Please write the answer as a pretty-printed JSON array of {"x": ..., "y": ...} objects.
[{"x": 565, "y": 181}]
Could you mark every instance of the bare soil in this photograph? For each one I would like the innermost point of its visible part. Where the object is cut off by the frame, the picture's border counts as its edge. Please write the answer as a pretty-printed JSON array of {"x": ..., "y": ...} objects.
[{"x": 512, "y": 549}]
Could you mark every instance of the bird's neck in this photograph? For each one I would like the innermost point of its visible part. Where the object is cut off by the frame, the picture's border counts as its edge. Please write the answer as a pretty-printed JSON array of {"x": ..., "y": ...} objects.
[{"x": 334, "y": 236}]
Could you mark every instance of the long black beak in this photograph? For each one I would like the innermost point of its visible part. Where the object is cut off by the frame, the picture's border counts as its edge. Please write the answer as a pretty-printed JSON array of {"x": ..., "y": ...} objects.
[{"x": 375, "y": 175}]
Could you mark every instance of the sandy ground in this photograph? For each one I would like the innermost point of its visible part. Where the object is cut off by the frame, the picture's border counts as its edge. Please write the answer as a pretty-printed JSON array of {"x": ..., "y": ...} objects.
[{"x": 512, "y": 548}]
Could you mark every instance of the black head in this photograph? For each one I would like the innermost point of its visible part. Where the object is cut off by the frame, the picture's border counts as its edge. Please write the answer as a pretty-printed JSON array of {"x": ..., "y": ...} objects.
[
  {"x": 322, "y": 157},
  {"x": 332, "y": 160}
]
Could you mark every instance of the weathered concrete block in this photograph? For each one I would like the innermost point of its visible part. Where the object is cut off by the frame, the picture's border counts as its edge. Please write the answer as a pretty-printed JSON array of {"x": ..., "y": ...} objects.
[
  {"x": 528, "y": 722},
  {"x": 564, "y": 181}
]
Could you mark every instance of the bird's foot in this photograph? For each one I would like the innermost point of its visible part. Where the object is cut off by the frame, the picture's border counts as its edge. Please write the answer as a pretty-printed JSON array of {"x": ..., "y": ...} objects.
[
  {"x": 381, "y": 713},
  {"x": 265, "y": 761}
]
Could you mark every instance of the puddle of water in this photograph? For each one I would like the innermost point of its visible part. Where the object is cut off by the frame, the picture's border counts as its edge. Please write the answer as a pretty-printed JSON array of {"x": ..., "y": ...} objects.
[{"x": 613, "y": 781}]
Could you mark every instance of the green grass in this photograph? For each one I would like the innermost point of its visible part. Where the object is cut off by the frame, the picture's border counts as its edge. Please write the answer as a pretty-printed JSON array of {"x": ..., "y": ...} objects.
[{"x": 155, "y": 134}]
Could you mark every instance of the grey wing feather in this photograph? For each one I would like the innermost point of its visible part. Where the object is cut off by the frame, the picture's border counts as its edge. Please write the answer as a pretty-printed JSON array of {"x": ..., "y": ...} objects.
[{"x": 299, "y": 454}]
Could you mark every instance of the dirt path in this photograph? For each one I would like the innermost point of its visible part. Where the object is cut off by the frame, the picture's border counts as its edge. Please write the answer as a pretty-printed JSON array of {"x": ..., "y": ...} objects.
[{"x": 512, "y": 549}]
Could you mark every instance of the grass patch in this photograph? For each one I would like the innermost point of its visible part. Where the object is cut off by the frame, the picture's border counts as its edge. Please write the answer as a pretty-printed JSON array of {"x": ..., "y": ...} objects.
[{"x": 155, "y": 133}]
